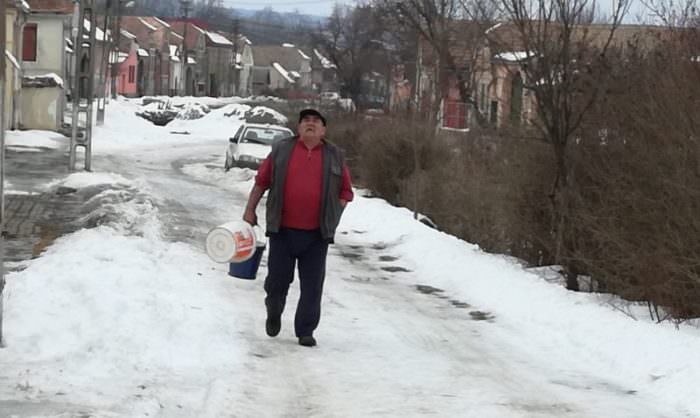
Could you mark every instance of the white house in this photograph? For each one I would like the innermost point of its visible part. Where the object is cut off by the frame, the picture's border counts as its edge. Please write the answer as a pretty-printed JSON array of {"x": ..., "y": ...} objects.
[{"x": 44, "y": 61}]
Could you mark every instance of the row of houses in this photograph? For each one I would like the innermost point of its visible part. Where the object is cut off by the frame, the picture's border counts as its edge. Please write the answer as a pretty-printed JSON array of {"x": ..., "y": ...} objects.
[
  {"x": 491, "y": 61},
  {"x": 148, "y": 56}
]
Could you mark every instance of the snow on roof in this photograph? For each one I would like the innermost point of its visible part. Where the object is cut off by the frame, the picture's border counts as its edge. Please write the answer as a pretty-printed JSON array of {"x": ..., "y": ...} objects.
[
  {"x": 295, "y": 74},
  {"x": 42, "y": 80},
  {"x": 118, "y": 57},
  {"x": 175, "y": 34},
  {"x": 161, "y": 22},
  {"x": 198, "y": 28},
  {"x": 146, "y": 24},
  {"x": 127, "y": 34},
  {"x": 12, "y": 59},
  {"x": 246, "y": 40},
  {"x": 25, "y": 6},
  {"x": 325, "y": 62},
  {"x": 303, "y": 55},
  {"x": 191, "y": 60},
  {"x": 99, "y": 34},
  {"x": 494, "y": 27},
  {"x": 218, "y": 39},
  {"x": 513, "y": 56},
  {"x": 142, "y": 52},
  {"x": 286, "y": 45},
  {"x": 282, "y": 71}
]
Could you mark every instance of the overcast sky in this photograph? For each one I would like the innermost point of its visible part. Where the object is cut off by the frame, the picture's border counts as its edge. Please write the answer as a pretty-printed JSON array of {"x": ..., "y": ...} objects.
[{"x": 324, "y": 7}]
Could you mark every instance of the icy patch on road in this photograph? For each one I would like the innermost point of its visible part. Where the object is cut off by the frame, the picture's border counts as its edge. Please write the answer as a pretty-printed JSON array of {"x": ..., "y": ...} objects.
[
  {"x": 85, "y": 179},
  {"x": 238, "y": 179},
  {"x": 112, "y": 201}
]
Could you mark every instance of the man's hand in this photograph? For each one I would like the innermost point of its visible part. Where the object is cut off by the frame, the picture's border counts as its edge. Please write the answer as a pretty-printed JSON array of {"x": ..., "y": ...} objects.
[
  {"x": 250, "y": 217},
  {"x": 249, "y": 214}
]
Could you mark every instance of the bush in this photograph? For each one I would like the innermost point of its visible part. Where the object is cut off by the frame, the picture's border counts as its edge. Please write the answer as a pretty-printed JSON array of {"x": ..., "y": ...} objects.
[{"x": 637, "y": 186}]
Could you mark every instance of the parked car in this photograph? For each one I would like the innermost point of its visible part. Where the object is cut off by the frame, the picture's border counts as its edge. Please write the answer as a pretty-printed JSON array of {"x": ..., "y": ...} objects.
[
  {"x": 252, "y": 143},
  {"x": 329, "y": 97}
]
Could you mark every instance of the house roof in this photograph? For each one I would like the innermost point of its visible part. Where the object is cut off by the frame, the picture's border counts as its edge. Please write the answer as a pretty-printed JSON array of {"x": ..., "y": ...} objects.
[
  {"x": 506, "y": 41},
  {"x": 193, "y": 32},
  {"x": 216, "y": 39},
  {"x": 325, "y": 62},
  {"x": 288, "y": 57},
  {"x": 135, "y": 26},
  {"x": 283, "y": 72},
  {"x": 51, "y": 6},
  {"x": 506, "y": 36}
]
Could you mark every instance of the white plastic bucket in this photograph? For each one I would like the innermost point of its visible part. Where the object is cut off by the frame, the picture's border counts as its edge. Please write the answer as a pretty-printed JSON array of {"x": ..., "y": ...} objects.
[{"x": 233, "y": 242}]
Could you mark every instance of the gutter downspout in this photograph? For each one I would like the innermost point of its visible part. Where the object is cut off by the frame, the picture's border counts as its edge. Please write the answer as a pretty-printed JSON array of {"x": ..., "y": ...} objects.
[
  {"x": 2, "y": 161},
  {"x": 20, "y": 20}
]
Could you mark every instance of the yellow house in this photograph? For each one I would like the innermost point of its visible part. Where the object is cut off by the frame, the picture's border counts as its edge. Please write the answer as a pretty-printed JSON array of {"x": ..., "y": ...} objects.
[{"x": 15, "y": 16}]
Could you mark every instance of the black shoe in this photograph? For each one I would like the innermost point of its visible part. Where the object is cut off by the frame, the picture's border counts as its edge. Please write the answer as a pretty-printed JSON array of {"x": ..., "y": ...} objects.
[
  {"x": 273, "y": 326},
  {"x": 307, "y": 341}
]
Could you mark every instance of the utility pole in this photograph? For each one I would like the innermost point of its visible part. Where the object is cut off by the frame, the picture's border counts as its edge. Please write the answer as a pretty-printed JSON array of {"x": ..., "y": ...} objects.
[
  {"x": 116, "y": 36},
  {"x": 104, "y": 63},
  {"x": 185, "y": 5},
  {"x": 236, "y": 70},
  {"x": 3, "y": 6},
  {"x": 84, "y": 82}
]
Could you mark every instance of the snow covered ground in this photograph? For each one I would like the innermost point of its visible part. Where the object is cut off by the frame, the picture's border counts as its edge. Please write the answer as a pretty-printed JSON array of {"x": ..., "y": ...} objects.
[{"x": 123, "y": 320}]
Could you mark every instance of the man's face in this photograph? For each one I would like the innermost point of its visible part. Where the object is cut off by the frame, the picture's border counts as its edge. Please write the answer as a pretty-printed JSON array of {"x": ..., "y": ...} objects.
[{"x": 311, "y": 127}]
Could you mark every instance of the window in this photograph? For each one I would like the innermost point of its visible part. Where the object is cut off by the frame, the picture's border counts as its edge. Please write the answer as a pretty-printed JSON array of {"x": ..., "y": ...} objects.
[
  {"x": 132, "y": 73},
  {"x": 29, "y": 42}
]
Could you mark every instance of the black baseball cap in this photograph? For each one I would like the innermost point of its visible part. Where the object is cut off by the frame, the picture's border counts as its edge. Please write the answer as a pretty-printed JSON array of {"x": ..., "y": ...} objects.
[{"x": 311, "y": 112}]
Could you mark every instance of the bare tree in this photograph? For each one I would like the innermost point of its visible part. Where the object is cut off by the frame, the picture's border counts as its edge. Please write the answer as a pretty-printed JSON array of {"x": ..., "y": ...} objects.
[
  {"x": 672, "y": 13},
  {"x": 349, "y": 40},
  {"x": 566, "y": 68},
  {"x": 453, "y": 31}
]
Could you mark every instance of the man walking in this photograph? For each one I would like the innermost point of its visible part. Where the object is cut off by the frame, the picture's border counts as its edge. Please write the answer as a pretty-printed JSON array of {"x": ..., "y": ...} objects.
[{"x": 309, "y": 185}]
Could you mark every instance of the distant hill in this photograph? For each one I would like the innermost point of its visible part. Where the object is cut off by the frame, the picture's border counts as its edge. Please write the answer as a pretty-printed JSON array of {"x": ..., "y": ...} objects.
[{"x": 262, "y": 27}]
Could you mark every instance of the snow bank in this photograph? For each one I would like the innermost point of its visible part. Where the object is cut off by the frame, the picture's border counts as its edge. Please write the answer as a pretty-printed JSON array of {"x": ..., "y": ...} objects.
[
  {"x": 193, "y": 111},
  {"x": 36, "y": 138}
]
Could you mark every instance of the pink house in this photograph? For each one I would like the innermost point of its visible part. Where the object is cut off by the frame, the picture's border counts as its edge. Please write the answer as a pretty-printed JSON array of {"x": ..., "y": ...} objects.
[{"x": 127, "y": 75}]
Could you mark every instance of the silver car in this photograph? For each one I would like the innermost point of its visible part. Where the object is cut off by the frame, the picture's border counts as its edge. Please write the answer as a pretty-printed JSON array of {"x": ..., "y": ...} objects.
[{"x": 252, "y": 143}]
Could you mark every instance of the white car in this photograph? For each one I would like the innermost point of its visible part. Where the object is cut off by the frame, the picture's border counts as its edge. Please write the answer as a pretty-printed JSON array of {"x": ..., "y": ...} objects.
[
  {"x": 329, "y": 97},
  {"x": 252, "y": 143}
]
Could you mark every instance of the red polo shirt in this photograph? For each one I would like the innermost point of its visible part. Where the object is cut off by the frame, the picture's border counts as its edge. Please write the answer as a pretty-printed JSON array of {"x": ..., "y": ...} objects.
[{"x": 302, "y": 188}]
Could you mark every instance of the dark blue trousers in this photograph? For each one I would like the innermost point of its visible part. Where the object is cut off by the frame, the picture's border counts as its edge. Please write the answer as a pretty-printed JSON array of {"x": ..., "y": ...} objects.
[{"x": 309, "y": 250}]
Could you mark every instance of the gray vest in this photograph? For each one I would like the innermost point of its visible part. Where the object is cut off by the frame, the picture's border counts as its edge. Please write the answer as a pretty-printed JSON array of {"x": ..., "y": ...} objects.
[{"x": 331, "y": 210}]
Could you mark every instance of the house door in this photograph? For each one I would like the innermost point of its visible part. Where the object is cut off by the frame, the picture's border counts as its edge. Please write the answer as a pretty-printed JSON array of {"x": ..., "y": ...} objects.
[
  {"x": 189, "y": 83},
  {"x": 516, "y": 99},
  {"x": 493, "y": 114},
  {"x": 212, "y": 85},
  {"x": 140, "y": 78}
]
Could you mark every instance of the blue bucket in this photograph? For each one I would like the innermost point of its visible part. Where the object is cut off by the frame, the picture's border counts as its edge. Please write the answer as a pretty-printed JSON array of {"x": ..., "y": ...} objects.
[{"x": 247, "y": 269}]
